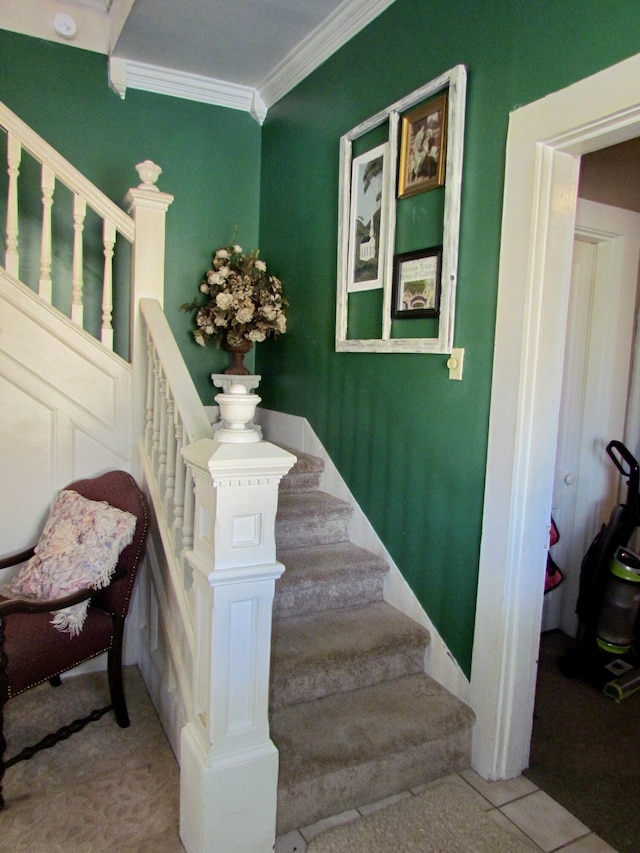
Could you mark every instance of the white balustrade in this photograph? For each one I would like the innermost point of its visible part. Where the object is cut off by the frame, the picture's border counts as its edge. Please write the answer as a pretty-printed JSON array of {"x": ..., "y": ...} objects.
[
  {"x": 21, "y": 140},
  {"x": 173, "y": 418}
]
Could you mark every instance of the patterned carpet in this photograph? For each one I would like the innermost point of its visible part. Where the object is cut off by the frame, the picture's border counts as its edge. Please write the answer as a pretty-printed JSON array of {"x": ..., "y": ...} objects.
[{"x": 103, "y": 789}]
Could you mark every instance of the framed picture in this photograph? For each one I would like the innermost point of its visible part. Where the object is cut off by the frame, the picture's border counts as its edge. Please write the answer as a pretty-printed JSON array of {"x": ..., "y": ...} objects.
[
  {"x": 367, "y": 220},
  {"x": 423, "y": 147},
  {"x": 416, "y": 284}
]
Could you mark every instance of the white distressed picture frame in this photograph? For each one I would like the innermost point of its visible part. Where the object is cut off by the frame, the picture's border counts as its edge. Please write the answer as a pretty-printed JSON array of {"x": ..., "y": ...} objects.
[{"x": 454, "y": 81}]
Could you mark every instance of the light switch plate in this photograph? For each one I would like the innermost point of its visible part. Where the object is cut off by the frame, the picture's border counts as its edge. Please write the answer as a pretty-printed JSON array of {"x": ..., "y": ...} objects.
[{"x": 455, "y": 362}]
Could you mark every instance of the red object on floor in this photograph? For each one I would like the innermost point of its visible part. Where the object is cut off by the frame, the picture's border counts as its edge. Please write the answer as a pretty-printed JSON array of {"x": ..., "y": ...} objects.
[{"x": 553, "y": 576}]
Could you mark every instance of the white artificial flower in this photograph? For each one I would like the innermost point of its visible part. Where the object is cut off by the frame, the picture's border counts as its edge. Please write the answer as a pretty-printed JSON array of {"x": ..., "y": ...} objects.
[
  {"x": 222, "y": 254},
  {"x": 237, "y": 249},
  {"x": 199, "y": 338},
  {"x": 281, "y": 324},
  {"x": 245, "y": 315},
  {"x": 256, "y": 335},
  {"x": 260, "y": 265},
  {"x": 224, "y": 301}
]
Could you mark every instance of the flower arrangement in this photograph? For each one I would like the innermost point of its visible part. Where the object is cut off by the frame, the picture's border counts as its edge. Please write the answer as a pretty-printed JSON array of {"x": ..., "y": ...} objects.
[{"x": 242, "y": 301}]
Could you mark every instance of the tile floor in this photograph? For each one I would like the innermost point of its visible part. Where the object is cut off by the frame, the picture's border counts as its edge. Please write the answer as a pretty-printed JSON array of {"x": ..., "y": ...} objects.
[{"x": 517, "y": 805}]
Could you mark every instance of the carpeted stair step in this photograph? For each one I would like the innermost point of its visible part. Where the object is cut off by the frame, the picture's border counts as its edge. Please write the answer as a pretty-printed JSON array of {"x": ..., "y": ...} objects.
[
  {"x": 354, "y": 748},
  {"x": 327, "y": 576},
  {"x": 305, "y": 474},
  {"x": 341, "y": 650},
  {"x": 311, "y": 518}
]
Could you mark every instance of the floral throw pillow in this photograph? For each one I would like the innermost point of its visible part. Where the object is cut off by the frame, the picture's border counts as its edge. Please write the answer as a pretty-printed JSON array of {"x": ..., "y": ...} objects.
[{"x": 79, "y": 548}]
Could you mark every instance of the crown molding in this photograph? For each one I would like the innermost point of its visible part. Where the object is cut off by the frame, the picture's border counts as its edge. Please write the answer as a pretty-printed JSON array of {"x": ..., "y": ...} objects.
[
  {"x": 341, "y": 26},
  {"x": 127, "y": 74},
  {"x": 334, "y": 32}
]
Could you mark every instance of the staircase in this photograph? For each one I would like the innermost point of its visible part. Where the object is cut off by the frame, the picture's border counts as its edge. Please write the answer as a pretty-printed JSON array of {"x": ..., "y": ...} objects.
[{"x": 353, "y": 714}]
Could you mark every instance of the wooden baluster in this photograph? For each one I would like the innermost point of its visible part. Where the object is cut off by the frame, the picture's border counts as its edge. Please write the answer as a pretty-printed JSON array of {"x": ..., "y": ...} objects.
[
  {"x": 11, "y": 256},
  {"x": 79, "y": 213},
  {"x": 162, "y": 433},
  {"x": 148, "y": 424},
  {"x": 48, "y": 185},
  {"x": 155, "y": 442},
  {"x": 108, "y": 240},
  {"x": 178, "y": 493},
  {"x": 4, "y": 691},
  {"x": 170, "y": 480},
  {"x": 189, "y": 510}
]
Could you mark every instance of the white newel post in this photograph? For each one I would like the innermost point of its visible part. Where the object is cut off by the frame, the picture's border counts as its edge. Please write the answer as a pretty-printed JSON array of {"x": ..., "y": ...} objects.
[
  {"x": 228, "y": 763},
  {"x": 148, "y": 207}
]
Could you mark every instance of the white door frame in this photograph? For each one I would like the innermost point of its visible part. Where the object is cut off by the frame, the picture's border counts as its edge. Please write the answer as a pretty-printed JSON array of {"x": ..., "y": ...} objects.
[{"x": 544, "y": 145}]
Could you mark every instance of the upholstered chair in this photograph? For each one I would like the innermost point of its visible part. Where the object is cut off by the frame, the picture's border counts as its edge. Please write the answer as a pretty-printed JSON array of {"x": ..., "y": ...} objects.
[{"x": 32, "y": 649}]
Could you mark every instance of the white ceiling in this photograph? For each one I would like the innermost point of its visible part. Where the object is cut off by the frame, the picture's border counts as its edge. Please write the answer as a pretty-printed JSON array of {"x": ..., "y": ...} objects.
[
  {"x": 240, "y": 41},
  {"x": 241, "y": 53}
]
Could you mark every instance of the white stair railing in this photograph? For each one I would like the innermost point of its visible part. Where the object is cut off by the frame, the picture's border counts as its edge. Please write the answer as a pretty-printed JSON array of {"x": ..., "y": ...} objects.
[
  {"x": 215, "y": 496},
  {"x": 174, "y": 418},
  {"x": 54, "y": 170}
]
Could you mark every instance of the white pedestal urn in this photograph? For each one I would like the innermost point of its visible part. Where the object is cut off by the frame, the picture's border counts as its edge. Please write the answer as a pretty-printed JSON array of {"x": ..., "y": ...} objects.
[{"x": 237, "y": 409}]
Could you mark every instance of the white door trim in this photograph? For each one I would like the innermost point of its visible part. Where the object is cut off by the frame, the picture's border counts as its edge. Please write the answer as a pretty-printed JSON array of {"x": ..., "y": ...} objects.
[{"x": 544, "y": 144}]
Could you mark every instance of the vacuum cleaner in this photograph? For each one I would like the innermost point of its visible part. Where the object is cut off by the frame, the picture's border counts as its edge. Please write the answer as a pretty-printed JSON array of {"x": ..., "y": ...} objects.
[{"x": 607, "y": 647}]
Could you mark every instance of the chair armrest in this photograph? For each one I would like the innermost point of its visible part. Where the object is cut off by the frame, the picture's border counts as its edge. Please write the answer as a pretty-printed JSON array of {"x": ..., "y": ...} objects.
[
  {"x": 14, "y": 559},
  {"x": 26, "y": 605}
]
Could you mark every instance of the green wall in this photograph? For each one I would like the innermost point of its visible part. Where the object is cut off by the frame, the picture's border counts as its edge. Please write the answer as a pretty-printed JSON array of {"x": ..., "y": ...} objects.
[
  {"x": 210, "y": 158},
  {"x": 410, "y": 443}
]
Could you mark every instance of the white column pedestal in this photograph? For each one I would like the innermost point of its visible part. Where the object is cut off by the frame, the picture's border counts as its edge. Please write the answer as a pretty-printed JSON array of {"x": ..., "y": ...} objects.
[
  {"x": 228, "y": 764},
  {"x": 227, "y": 804}
]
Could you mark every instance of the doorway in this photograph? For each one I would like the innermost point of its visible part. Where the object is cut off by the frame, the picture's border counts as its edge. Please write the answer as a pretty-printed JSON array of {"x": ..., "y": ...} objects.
[
  {"x": 545, "y": 142},
  {"x": 596, "y": 388}
]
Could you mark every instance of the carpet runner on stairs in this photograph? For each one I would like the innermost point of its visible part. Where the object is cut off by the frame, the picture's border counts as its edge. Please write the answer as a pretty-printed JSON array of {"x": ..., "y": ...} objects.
[{"x": 353, "y": 714}]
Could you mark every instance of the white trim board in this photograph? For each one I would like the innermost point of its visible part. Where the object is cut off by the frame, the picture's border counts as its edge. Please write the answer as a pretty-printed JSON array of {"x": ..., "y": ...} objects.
[{"x": 544, "y": 145}]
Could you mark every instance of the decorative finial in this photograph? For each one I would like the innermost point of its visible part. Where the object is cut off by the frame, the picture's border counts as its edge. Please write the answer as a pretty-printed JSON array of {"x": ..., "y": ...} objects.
[{"x": 149, "y": 173}]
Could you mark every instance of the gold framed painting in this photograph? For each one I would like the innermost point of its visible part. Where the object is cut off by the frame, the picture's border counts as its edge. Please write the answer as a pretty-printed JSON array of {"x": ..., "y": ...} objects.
[{"x": 423, "y": 148}]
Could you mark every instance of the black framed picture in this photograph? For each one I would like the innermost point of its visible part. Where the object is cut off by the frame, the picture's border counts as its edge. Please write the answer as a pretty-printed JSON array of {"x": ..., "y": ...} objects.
[{"x": 416, "y": 284}]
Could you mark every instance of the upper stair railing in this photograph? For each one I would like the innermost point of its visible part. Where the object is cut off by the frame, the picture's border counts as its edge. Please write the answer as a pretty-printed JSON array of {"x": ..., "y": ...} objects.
[{"x": 115, "y": 223}]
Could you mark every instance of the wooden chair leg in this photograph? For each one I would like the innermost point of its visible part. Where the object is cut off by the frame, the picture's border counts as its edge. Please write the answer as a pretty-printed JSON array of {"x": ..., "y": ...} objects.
[
  {"x": 114, "y": 668},
  {"x": 4, "y": 694}
]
